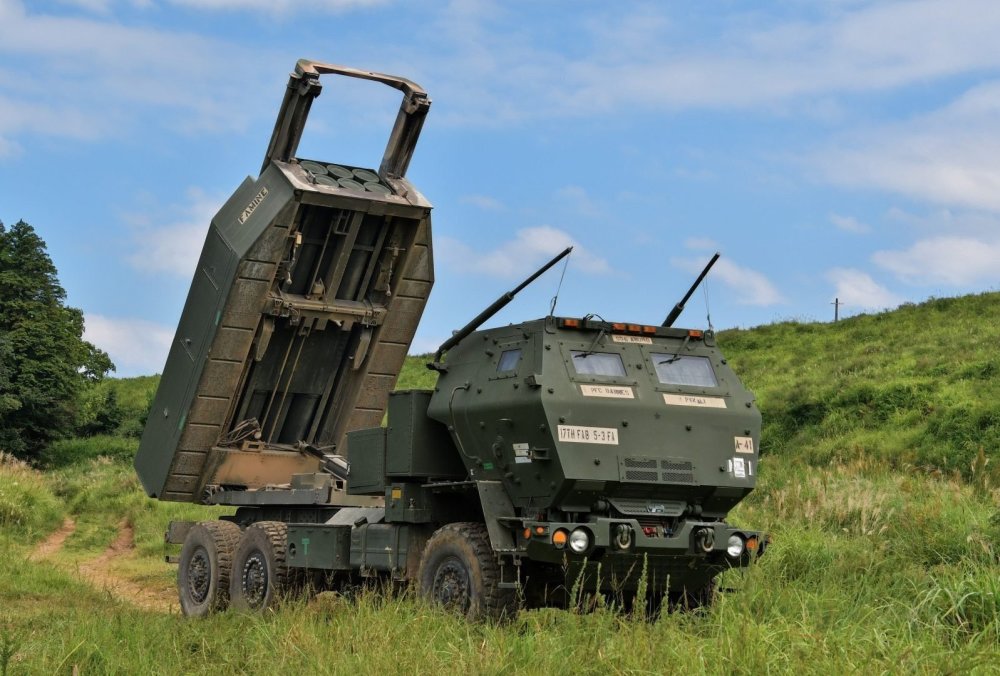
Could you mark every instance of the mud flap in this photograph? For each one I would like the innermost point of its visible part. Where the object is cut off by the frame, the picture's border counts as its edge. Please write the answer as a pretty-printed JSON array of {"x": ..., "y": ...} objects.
[{"x": 497, "y": 507}]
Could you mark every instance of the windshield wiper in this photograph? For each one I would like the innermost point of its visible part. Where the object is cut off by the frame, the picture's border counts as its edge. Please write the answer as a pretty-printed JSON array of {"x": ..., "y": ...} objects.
[
  {"x": 590, "y": 350},
  {"x": 677, "y": 355}
]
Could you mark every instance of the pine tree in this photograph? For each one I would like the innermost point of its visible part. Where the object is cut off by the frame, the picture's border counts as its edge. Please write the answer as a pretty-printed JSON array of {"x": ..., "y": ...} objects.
[{"x": 44, "y": 361}]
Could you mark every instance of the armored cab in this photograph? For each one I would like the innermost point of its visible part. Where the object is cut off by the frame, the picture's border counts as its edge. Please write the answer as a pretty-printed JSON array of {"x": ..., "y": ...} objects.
[
  {"x": 306, "y": 296},
  {"x": 582, "y": 416},
  {"x": 618, "y": 445}
]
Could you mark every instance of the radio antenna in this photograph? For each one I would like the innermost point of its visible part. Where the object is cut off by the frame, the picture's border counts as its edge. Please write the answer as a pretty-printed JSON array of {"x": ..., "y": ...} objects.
[
  {"x": 708, "y": 308},
  {"x": 555, "y": 298}
]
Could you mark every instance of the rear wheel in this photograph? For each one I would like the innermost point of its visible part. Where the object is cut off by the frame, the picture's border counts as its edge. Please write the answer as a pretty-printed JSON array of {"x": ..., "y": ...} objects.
[
  {"x": 205, "y": 567},
  {"x": 459, "y": 571},
  {"x": 260, "y": 575}
]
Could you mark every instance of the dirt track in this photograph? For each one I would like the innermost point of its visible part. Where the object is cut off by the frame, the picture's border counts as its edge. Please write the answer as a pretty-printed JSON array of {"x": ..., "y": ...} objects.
[
  {"x": 98, "y": 571},
  {"x": 54, "y": 542}
]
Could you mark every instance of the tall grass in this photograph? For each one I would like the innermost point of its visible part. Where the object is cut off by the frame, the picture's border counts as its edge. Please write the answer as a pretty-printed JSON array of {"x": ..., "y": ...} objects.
[
  {"x": 879, "y": 489},
  {"x": 27, "y": 505},
  {"x": 870, "y": 570}
]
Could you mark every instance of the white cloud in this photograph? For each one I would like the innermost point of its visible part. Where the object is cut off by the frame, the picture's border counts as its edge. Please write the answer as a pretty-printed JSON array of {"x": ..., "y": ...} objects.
[
  {"x": 281, "y": 6},
  {"x": 493, "y": 69},
  {"x": 99, "y": 6},
  {"x": 858, "y": 291},
  {"x": 8, "y": 148},
  {"x": 24, "y": 116},
  {"x": 628, "y": 58},
  {"x": 970, "y": 223},
  {"x": 528, "y": 250},
  {"x": 701, "y": 174},
  {"x": 136, "y": 346},
  {"x": 950, "y": 156},
  {"x": 849, "y": 224},
  {"x": 266, "y": 6},
  {"x": 174, "y": 248},
  {"x": 579, "y": 200},
  {"x": 102, "y": 76},
  {"x": 484, "y": 202},
  {"x": 700, "y": 244},
  {"x": 749, "y": 287},
  {"x": 956, "y": 261}
]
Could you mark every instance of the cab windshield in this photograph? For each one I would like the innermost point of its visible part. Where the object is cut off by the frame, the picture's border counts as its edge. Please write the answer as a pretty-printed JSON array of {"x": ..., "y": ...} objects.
[
  {"x": 598, "y": 363},
  {"x": 673, "y": 369}
]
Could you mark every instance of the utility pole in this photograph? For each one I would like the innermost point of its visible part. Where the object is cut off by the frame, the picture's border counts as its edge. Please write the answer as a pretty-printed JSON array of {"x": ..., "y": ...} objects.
[{"x": 836, "y": 309}]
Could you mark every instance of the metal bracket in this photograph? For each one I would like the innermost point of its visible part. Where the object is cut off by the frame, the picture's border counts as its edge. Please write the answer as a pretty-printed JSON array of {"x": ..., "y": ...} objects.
[
  {"x": 304, "y": 87},
  {"x": 341, "y": 312}
]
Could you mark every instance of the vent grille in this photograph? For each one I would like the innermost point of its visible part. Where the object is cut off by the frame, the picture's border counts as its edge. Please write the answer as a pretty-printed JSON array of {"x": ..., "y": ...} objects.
[
  {"x": 679, "y": 477},
  {"x": 640, "y": 463},
  {"x": 678, "y": 471},
  {"x": 657, "y": 470},
  {"x": 640, "y": 475}
]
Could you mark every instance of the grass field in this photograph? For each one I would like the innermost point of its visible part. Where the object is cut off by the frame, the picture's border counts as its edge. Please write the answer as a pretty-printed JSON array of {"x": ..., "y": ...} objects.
[{"x": 879, "y": 488}]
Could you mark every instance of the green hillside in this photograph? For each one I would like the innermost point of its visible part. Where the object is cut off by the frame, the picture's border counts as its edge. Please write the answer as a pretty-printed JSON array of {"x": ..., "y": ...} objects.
[
  {"x": 915, "y": 388},
  {"x": 878, "y": 487}
]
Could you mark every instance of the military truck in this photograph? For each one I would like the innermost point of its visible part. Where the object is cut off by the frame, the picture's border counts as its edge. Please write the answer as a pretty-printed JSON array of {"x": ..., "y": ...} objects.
[{"x": 552, "y": 453}]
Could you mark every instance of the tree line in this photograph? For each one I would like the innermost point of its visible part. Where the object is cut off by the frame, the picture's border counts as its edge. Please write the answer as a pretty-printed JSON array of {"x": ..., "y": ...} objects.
[{"x": 46, "y": 366}]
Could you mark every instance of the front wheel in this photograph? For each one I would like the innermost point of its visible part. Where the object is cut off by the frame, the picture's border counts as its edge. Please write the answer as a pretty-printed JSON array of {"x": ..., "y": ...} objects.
[
  {"x": 459, "y": 571},
  {"x": 259, "y": 571}
]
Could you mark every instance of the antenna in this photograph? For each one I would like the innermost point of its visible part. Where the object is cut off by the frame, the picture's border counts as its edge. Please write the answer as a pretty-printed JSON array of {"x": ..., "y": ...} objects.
[
  {"x": 679, "y": 308},
  {"x": 485, "y": 315},
  {"x": 555, "y": 298},
  {"x": 708, "y": 308}
]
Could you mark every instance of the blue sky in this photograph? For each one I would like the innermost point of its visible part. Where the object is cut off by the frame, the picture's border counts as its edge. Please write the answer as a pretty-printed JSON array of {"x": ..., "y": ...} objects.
[{"x": 843, "y": 149}]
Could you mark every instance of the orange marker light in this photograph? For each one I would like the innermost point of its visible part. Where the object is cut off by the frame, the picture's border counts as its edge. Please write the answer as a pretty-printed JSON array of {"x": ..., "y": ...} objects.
[
  {"x": 634, "y": 328},
  {"x": 649, "y": 329},
  {"x": 559, "y": 538},
  {"x": 539, "y": 530},
  {"x": 527, "y": 533},
  {"x": 571, "y": 323},
  {"x": 751, "y": 545},
  {"x": 617, "y": 327},
  {"x": 694, "y": 333}
]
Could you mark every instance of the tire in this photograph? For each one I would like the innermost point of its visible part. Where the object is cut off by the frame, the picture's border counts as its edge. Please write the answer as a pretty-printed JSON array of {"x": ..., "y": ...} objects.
[
  {"x": 702, "y": 597},
  {"x": 260, "y": 575},
  {"x": 459, "y": 571},
  {"x": 205, "y": 567}
]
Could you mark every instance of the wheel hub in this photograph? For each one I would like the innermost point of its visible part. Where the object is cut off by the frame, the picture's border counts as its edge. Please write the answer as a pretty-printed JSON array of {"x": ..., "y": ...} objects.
[
  {"x": 199, "y": 576},
  {"x": 451, "y": 585},
  {"x": 254, "y": 580}
]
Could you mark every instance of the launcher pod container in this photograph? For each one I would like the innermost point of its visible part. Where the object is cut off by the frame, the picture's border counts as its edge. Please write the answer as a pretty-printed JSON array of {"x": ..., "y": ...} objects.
[
  {"x": 557, "y": 453},
  {"x": 303, "y": 305}
]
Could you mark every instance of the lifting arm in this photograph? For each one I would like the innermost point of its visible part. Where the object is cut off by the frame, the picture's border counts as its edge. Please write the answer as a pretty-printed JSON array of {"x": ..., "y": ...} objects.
[{"x": 304, "y": 87}]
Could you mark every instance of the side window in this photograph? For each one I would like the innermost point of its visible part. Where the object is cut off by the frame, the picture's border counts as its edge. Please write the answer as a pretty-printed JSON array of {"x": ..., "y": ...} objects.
[
  {"x": 509, "y": 359},
  {"x": 672, "y": 369},
  {"x": 598, "y": 363}
]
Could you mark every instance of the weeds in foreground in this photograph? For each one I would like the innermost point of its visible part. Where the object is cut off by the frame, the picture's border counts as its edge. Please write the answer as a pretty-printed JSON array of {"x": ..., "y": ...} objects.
[{"x": 8, "y": 648}]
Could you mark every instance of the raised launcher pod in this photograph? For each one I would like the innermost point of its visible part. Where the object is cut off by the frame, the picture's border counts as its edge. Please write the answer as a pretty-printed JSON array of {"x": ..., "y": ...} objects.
[{"x": 308, "y": 290}]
